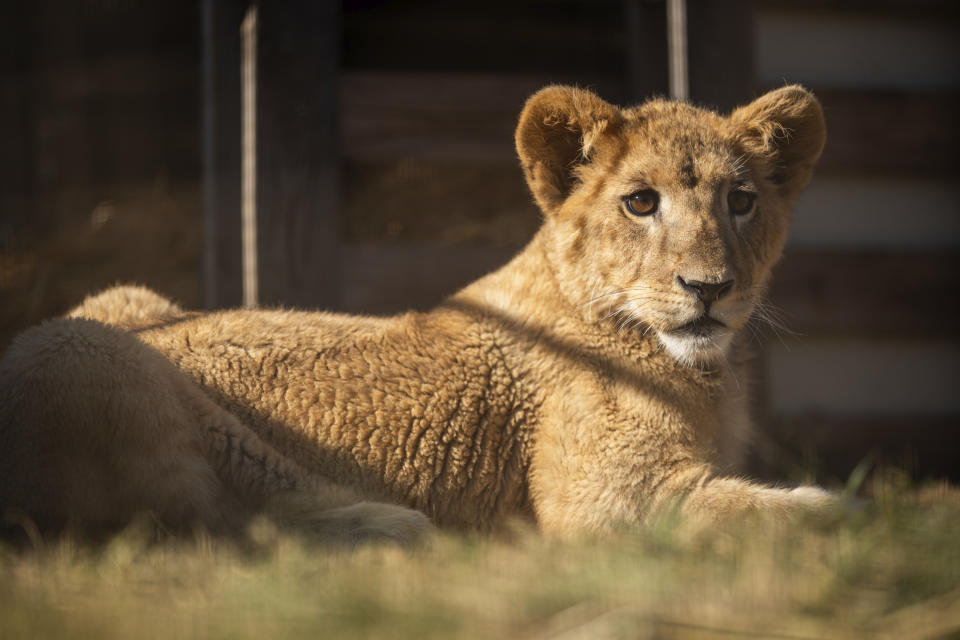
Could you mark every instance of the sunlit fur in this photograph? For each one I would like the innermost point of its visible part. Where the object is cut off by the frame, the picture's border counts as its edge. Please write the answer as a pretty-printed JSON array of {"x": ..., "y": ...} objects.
[{"x": 567, "y": 387}]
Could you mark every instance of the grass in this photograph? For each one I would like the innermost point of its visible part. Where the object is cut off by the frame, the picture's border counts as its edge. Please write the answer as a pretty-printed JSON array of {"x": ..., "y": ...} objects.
[{"x": 888, "y": 570}]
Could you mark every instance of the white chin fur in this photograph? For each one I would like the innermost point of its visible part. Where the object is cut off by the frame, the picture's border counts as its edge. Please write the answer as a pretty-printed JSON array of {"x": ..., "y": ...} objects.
[{"x": 696, "y": 350}]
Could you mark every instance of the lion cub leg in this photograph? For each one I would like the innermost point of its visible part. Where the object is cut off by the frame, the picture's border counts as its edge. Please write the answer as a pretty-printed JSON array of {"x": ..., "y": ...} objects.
[
  {"x": 277, "y": 486},
  {"x": 96, "y": 426},
  {"x": 705, "y": 495}
]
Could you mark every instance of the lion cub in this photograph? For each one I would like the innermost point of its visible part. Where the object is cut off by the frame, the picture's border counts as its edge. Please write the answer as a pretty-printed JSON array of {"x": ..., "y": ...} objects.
[{"x": 590, "y": 382}]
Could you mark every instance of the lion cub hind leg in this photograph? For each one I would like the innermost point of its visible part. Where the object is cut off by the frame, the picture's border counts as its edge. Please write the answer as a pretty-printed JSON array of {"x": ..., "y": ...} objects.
[
  {"x": 127, "y": 306},
  {"x": 97, "y": 426},
  {"x": 94, "y": 428},
  {"x": 310, "y": 504}
]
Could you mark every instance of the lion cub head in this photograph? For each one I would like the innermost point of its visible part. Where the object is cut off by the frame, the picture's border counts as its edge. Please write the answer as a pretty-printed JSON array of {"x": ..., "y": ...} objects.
[{"x": 664, "y": 217}]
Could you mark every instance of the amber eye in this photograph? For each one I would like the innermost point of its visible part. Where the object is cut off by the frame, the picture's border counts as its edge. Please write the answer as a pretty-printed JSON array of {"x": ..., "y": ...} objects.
[
  {"x": 741, "y": 201},
  {"x": 643, "y": 202}
]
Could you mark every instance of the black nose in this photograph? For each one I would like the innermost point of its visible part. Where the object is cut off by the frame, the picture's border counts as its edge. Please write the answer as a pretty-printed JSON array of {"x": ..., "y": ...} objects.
[{"x": 706, "y": 291}]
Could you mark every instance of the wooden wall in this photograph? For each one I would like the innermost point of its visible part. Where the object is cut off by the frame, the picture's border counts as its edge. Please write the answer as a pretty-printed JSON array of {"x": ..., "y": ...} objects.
[
  {"x": 870, "y": 278},
  {"x": 99, "y": 152}
]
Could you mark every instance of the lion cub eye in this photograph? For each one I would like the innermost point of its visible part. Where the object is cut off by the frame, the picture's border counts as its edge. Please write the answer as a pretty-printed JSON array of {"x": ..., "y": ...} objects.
[
  {"x": 741, "y": 201},
  {"x": 642, "y": 203}
]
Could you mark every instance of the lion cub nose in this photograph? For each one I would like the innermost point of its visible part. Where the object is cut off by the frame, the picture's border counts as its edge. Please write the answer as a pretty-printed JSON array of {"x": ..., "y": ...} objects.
[{"x": 706, "y": 291}]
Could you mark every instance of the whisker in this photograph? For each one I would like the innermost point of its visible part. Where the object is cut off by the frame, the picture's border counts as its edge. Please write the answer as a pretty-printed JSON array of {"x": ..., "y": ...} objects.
[
  {"x": 613, "y": 313},
  {"x": 774, "y": 317},
  {"x": 628, "y": 316},
  {"x": 754, "y": 332},
  {"x": 636, "y": 288},
  {"x": 604, "y": 295},
  {"x": 724, "y": 358},
  {"x": 766, "y": 313}
]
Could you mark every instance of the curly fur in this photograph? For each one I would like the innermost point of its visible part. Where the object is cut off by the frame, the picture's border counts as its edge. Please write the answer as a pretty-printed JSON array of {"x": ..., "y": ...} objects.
[{"x": 567, "y": 387}]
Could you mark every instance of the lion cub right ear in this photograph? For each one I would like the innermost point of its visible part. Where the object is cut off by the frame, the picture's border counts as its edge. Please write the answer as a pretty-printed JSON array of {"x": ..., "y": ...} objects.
[
  {"x": 785, "y": 127},
  {"x": 557, "y": 128}
]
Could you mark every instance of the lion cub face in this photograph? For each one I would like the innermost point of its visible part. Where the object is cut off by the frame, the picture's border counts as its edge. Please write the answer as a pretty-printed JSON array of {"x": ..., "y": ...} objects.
[{"x": 667, "y": 218}]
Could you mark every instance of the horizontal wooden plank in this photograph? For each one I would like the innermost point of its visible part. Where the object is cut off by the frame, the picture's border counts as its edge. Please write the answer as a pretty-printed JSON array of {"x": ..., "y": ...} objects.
[
  {"x": 854, "y": 376},
  {"x": 96, "y": 122},
  {"x": 446, "y": 203},
  {"x": 430, "y": 116},
  {"x": 854, "y": 50},
  {"x": 582, "y": 37},
  {"x": 113, "y": 78},
  {"x": 911, "y": 9},
  {"x": 831, "y": 447},
  {"x": 471, "y": 117},
  {"x": 449, "y": 116},
  {"x": 383, "y": 279},
  {"x": 898, "y": 132},
  {"x": 869, "y": 294},
  {"x": 873, "y": 212},
  {"x": 864, "y": 295}
]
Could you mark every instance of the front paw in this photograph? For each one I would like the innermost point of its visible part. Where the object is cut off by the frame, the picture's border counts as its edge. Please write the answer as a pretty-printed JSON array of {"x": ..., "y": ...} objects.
[{"x": 814, "y": 497}]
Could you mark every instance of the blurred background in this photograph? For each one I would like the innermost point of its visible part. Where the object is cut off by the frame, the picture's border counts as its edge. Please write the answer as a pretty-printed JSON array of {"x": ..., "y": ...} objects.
[{"x": 385, "y": 175}]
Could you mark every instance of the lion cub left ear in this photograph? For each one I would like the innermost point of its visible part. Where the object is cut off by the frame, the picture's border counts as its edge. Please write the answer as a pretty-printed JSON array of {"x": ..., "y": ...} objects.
[
  {"x": 557, "y": 128},
  {"x": 786, "y": 128}
]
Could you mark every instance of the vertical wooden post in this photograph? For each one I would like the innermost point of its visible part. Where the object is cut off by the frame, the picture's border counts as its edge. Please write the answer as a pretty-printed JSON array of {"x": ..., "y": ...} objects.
[
  {"x": 297, "y": 152},
  {"x": 248, "y": 156},
  {"x": 220, "y": 23},
  {"x": 677, "y": 45},
  {"x": 718, "y": 48}
]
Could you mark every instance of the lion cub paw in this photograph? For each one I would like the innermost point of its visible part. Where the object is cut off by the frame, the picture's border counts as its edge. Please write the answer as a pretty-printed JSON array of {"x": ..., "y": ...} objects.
[
  {"x": 820, "y": 502},
  {"x": 813, "y": 497},
  {"x": 362, "y": 522}
]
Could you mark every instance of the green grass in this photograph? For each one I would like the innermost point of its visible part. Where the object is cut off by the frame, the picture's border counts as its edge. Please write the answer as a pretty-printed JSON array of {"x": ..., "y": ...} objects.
[{"x": 890, "y": 569}]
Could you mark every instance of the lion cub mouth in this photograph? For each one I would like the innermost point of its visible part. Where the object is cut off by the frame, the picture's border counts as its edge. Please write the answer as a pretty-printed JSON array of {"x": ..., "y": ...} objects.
[{"x": 703, "y": 326}]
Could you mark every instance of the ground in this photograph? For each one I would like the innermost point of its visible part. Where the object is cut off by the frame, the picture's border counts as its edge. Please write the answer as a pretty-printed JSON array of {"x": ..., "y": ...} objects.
[{"x": 890, "y": 569}]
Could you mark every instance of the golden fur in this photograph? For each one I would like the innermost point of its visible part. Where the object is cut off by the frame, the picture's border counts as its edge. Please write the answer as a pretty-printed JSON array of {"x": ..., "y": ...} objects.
[{"x": 574, "y": 386}]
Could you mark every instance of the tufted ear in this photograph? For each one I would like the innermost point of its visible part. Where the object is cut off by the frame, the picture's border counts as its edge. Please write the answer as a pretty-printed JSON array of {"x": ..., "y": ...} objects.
[
  {"x": 785, "y": 127},
  {"x": 557, "y": 128}
]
